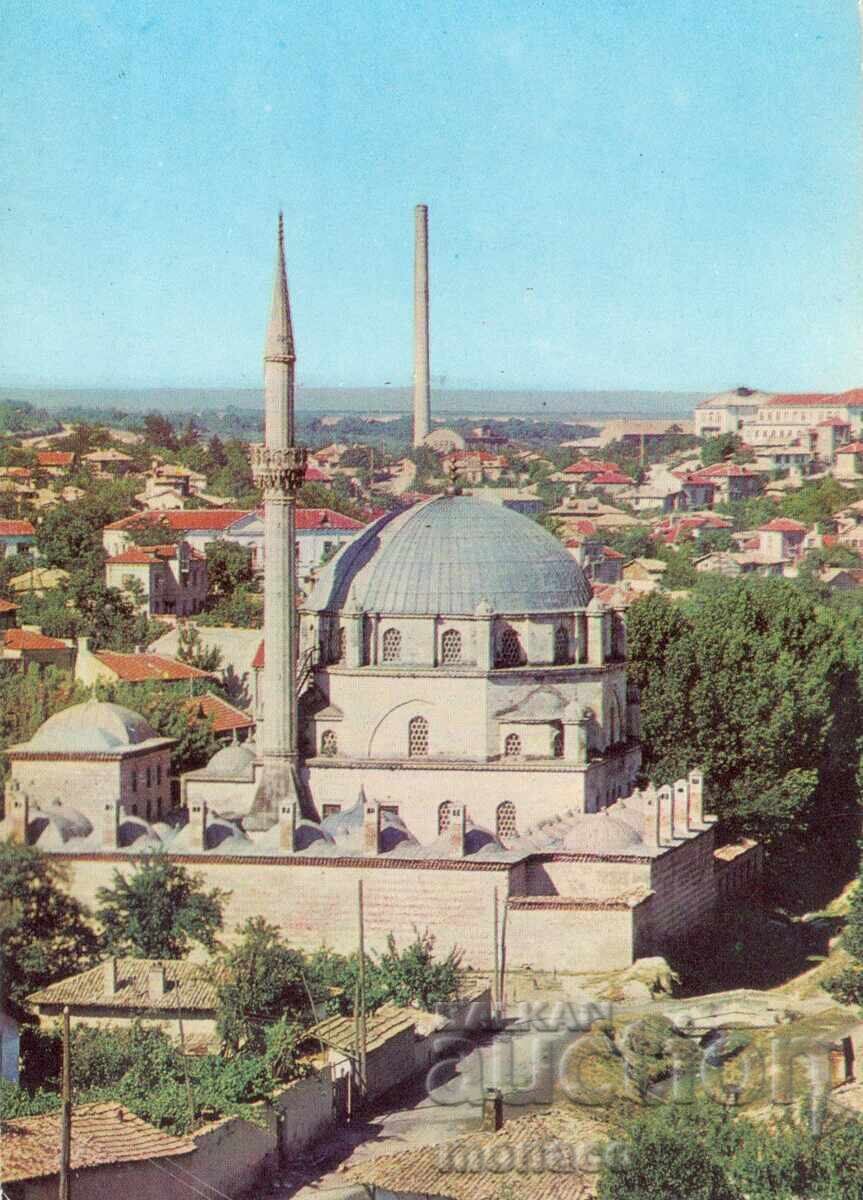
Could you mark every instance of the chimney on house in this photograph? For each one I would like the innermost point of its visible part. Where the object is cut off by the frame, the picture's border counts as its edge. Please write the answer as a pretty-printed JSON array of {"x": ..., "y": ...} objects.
[
  {"x": 651, "y": 818},
  {"x": 156, "y": 981},
  {"x": 288, "y": 825},
  {"x": 19, "y": 815},
  {"x": 665, "y": 801},
  {"x": 457, "y": 831},
  {"x": 371, "y": 827},
  {"x": 198, "y": 824},
  {"x": 110, "y": 824},
  {"x": 109, "y": 976},
  {"x": 492, "y": 1110},
  {"x": 696, "y": 799},
  {"x": 680, "y": 819}
]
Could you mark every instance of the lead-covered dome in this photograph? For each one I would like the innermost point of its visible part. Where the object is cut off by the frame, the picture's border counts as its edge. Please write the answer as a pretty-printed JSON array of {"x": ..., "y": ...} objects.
[
  {"x": 449, "y": 555},
  {"x": 95, "y": 727}
]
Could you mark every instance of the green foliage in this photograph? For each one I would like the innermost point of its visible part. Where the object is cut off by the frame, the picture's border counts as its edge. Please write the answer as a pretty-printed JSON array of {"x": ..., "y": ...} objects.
[
  {"x": 756, "y": 684},
  {"x": 152, "y": 533},
  {"x": 70, "y": 535},
  {"x": 159, "y": 431},
  {"x": 852, "y": 938},
  {"x": 158, "y": 910},
  {"x": 634, "y": 542},
  {"x": 259, "y": 980},
  {"x": 244, "y": 609},
  {"x": 846, "y": 986},
  {"x": 16, "y": 1101},
  {"x": 166, "y": 707},
  {"x": 719, "y": 449},
  {"x": 44, "y": 931},
  {"x": 413, "y": 977},
  {"x": 229, "y": 567},
  {"x": 31, "y": 696},
  {"x": 192, "y": 650}
]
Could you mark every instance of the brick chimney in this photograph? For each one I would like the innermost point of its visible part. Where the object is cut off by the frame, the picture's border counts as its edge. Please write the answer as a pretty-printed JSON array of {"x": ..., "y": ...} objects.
[
  {"x": 696, "y": 798},
  {"x": 109, "y": 977},
  {"x": 156, "y": 981},
  {"x": 681, "y": 808},
  {"x": 492, "y": 1110},
  {"x": 110, "y": 824},
  {"x": 665, "y": 802},
  {"x": 457, "y": 831},
  {"x": 371, "y": 827},
  {"x": 288, "y": 818}
]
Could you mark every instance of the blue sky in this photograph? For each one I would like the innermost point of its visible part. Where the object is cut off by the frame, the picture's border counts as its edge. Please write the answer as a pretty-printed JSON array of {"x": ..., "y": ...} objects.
[{"x": 623, "y": 193}]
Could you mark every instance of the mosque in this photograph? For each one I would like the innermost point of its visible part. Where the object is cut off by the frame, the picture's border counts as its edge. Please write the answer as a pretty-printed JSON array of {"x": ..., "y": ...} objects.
[{"x": 447, "y": 718}]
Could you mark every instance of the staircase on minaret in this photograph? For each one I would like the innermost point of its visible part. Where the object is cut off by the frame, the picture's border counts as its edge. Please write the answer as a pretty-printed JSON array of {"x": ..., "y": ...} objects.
[{"x": 279, "y": 467}]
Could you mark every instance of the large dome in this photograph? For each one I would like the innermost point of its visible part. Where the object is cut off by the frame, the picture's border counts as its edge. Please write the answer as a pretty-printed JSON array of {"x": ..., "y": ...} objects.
[
  {"x": 447, "y": 556},
  {"x": 92, "y": 728}
]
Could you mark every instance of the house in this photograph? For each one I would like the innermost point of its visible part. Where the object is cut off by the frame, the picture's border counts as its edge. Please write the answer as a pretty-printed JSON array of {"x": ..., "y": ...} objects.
[
  {"x": 727, "y": 412},
  {"x": 228, "y": 722},
  {"x": 196, "y": 526},
  {"x": 645, "y": 571},
  {"x": 601, "y": 564},
  {"x": 113, "y": 1153},
  {"x": 849, "y": 461},
  {"x": 390, "y": 1048},
  {"x": 732, "y": 481},
  {"x": 320, "y": 533},
  {"x": 17, "y": 537},
  {"x": 237, "y": 648},
  {"x": 474, "y": 466},
  {"x": 694, "y": 491},
  {"x": 8, "y": 614},
  {"x": 119, "y": 991},
  {"x": 92, "y": 666},
  {"x": 782, "y": 538},
  {"x": 635, "y": 433},
  {"x": 38, "y": 580},
  {"x": 27, "y": 647},
  {"x": 800, "y": 459},
  {"x": 523, "y": 500},
  {"x": 55, "y": 463},
  {"x": 162, "y": 580},
  {"x": 109, "y": 464}
]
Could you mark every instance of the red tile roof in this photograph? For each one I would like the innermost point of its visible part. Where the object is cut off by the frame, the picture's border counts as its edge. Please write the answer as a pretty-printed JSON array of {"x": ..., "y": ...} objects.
[
  {"x": 611, "y": 477},
  {"x": 316, "y": 475},
  {"x": 589, "y": 466},
  {"x": 608, "y": 552},
  {"x": 325, "y": 518},
  {"x": 137, "y": 668},
  {"x": 833, "y": 422},
  {"x": 582, "y": 525},
  {"x": 802, "y": 399},
  {"x": 258, "y": 660},
  {"x": 226, "y": 718},
  {"x": 16, "y": 472},
  {"x": 851, "y": 448},
  {"x": 724, "y": 471},
  {"x": 55, "y": 458},
  {"x": 146, "y": 555},
  {"x": 16, "y": 529},
  {"x": 186, "y": 985},
  {"x": 461, "y": 455},
  {"x": 185, "y": 520},
  {"x": 7, "y": 606},
  {"x": 101, "y": 1134},
  {"x": 783, "y": 525},
  {"x": 26, "y": 639}
]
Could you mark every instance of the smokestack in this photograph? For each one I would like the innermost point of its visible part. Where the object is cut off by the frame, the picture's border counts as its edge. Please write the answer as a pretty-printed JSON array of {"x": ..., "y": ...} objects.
[{"x": 422, "y": 391}]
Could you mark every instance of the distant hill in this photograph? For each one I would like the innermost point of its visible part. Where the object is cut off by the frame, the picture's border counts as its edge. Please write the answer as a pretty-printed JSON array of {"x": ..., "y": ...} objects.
[{"x": 371, "y": 401}]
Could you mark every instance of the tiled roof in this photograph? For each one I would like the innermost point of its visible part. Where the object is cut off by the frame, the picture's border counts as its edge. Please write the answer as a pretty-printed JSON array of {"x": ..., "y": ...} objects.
[
  {"x": 609, "y": 477},
  {"x": 101, "y": 1134},
  {"x": 184, "y": 520},
  {"x": 802, "y": 400},
  {"x": 608, "y": 552},
  {"x": 106, "y": 456},
  {"x": 26, "y": 639},
  {"x": 137, "y": 668},
  {"x": 836, "y": 422},
  {"x": 186, "y": 987},
  {"x": 55, "y": 458},
  {"x": 325, "y": 518},
  {"x": 783, "y": 525},
  {"x": 7, "y": 606},
  {"x": 16, "y": 529},
  {"x": 724, "y": 471},
  {"x": 258, "y": 660},
  {"x": 340, "y": 1032},
  {"x": 589, "y": 466},
  {"x": 144, "y": 556},
  {"x": 485, "y": 1166},
  {"x": 226, "y": 718},
  {"x": 851, "y": 448}
]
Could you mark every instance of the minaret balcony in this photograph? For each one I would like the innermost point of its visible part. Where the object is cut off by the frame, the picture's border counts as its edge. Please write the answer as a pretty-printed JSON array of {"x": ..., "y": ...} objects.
[{"x": 280, "y": 471}]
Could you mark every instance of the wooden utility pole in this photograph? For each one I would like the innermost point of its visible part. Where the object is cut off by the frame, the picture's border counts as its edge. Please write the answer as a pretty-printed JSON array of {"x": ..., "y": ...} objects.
[
  {"x": 361, "y": 980},
  {"x": 66, "y": 1112},
  {"x": 495, "y": 983}
]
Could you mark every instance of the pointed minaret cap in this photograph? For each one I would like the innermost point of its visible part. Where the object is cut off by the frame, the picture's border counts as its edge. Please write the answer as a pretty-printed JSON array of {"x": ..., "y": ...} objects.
[{"x": 280, "y": 331}]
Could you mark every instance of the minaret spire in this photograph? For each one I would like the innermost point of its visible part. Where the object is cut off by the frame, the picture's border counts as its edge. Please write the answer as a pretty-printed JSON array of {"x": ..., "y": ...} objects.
[
  {"x": 279, "y": 466},
  {"x": 422, "y": 389}
]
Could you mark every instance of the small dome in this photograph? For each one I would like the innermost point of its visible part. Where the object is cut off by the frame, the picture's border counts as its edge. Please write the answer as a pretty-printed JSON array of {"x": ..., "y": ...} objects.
[
  {"x": 598, "y": 833},
  {"x": 94, "y": 727},
  {"x": 235, "y": 761},
  {"x": 448, "y": 555}
]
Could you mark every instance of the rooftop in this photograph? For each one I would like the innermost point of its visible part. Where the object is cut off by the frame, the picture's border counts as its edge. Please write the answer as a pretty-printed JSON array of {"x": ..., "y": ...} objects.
[
  {"x": 184, "y": 520},
  {"x": 102, "y": 1134},
  {"x": 137, "y": 668},
  {"x": 147, "y": 555},
  {"x": 28, "y": 639},
  {"x": 186, "y": 987},
  {"x": 339, "y": 1033},
  {"x": 94, "y": 727},
  {"x": 16, "y": 529},
  {"x": 226, "y": 718}
]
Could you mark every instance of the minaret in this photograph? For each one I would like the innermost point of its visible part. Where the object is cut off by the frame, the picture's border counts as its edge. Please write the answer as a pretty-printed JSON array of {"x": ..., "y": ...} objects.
[
  {"x": 422, "y": 391},
  {"x": 279, "y": 466}
]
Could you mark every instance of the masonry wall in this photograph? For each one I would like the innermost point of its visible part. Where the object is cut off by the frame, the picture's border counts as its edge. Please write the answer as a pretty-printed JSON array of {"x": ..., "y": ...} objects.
[
  {"x": 86, "y": 785},
  {"x": 195, "y": 1028},
  {"x": 568, "y": 939},
  {"x": 685, "y": 890},
  {"x": 598, "y": 879}
]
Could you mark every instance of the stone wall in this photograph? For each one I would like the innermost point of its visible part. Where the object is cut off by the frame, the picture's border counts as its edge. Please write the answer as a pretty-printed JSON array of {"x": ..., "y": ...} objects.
[
  {"x": 685, "y": 891},
  {"x": 558, "y": 936}
]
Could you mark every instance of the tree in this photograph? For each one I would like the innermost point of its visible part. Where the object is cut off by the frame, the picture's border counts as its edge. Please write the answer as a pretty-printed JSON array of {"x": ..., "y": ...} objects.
[
  {"x": 719, "y": 449},
  {"x": 167, "y": 709},
  {"x": 158, "y": 911},
  {"x": 229, "y": 567},
  {"x": 191, "y": 649},
  {"x": 44, "y": 931},
  {"x": 30, "y": 697},
  {"x": 413, "y": 977},
  {"x": 159, "y": 431},
  {"x": 259, "y": 981},
  {"x": 244, "y": 610}
]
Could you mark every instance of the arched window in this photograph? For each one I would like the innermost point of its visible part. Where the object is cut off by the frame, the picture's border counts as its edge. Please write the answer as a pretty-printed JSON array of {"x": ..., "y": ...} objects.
[
  {"x": 329, "y": 743},
  {"x": 512, "y": 746},
  {"x": 418, "y": 737},
  {"x": 342, "y": 644},
  {"x": 450, "y": 647},
  {"x": 444, "y": 816},
  {"x": 557, "y": 744},
  {"x": 505, "y": 822},
  {"x": 391, "y": 644},
  {"x": 509, "y": 648},
  {"x": 561, "y": 645}
]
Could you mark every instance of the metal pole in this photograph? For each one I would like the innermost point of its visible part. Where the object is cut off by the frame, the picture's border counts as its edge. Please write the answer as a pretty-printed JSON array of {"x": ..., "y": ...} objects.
[
  {"x": 495, "y": 983},
  {"x": 361, "y": 1048},
  {"x": 66, "y": 1113}
]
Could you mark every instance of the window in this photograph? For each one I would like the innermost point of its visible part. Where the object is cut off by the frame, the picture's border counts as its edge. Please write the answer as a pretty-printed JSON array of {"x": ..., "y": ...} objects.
[
  {"x": 557, "y": 744},
  {"x": 330, "y": 810},
  {"x": 561, "y": 645},
  {"x": 149, "y": 777},
  {"x": 418, "y": 737},
  {"x": 159, "y": 773},
  {"x": 342, "y": 644},
  {"x": 444, "y": 816},
  {"x": 390, "y": 808},
  {"x": 450, "y": 647},
  {"x": 512, "y": 746},
  {"x": 391, "y": 644},
  {"x": 134, "y": 781},
  {"x": 329, "y": 743},
  {"x": 509, "y": 648},
  {"x": 505, "y": 822}
]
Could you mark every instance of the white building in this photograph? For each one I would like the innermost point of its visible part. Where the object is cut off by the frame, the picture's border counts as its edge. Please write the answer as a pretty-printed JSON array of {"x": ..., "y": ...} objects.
[{"x": 727, "y": 412}]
